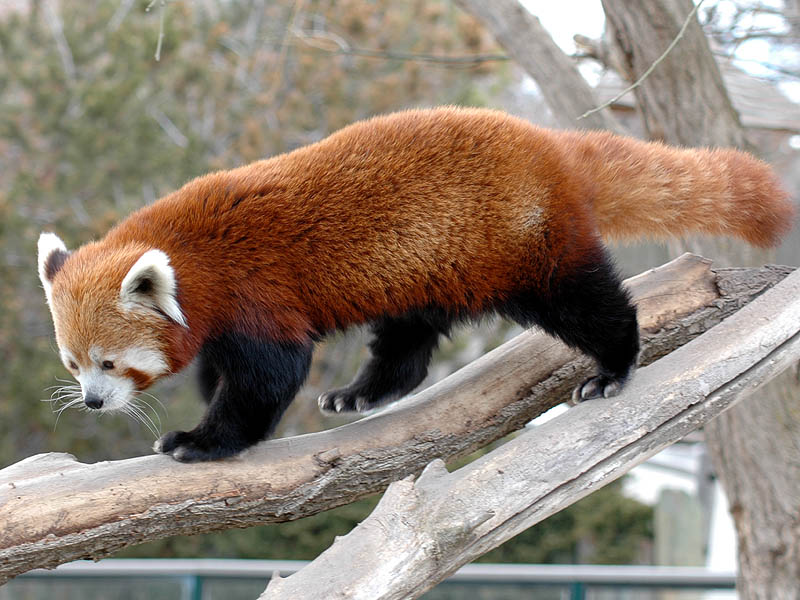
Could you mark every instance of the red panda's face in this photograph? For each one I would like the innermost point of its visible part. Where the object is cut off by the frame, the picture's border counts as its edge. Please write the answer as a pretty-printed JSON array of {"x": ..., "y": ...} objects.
[{"x": 112, "y": 310}]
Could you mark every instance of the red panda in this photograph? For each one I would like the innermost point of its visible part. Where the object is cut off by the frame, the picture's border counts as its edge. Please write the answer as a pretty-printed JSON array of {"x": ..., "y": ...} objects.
[{"x": 410, "y": 222}]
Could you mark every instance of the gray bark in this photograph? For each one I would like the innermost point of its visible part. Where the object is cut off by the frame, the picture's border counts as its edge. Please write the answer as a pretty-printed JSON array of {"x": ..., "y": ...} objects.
[
  {"x": 422, "y": 531},
  {"x": 755, "y": 451},
  {"x": 683, "y": 101},
  {"x": 755, "y": 447},
  {"x": 530, "y": 45},
  {"x": 54, "y": 509}
]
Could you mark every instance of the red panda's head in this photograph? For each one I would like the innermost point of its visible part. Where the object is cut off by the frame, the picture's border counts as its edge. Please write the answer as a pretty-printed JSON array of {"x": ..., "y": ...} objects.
[{"x": 114, "y": 310}]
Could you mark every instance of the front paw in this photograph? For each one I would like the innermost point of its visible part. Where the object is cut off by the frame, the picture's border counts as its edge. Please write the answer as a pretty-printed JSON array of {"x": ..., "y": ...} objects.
[
  {"x": 343, "y": 400},
  {"x": 187, "y": 446},
  {"x": 169, "y": 442}
]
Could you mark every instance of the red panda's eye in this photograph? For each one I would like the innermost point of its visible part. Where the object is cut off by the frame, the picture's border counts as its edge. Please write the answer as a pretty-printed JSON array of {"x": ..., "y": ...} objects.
[
  {"x": 73, "y": 366},
  {"x": 108, "y": 365}
]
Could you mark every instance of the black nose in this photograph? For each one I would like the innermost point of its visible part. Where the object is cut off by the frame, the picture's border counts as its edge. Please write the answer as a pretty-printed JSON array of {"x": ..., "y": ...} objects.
[{"x": 93, "y": 401}]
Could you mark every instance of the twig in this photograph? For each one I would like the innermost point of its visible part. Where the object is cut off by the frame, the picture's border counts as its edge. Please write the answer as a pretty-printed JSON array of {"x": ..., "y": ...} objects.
[
  {"x": 644, "y": 76},
  {"x": 172, "y": 131},
  {"x": 119, "y": 15},
  {"x": 775, "y": 68},
  {"x": 344, "y": 48},
  {"x": 163, "y": 10},
  {"x": 730, "y": 37},
  {"x": 57, "y": 29},
  {"x": 284, "y": 50},
  {"x": 472, "y": 59}
]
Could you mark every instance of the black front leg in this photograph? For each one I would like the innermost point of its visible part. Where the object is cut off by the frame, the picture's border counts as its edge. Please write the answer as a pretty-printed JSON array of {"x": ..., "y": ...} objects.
[{"x": 249, "y": 383}]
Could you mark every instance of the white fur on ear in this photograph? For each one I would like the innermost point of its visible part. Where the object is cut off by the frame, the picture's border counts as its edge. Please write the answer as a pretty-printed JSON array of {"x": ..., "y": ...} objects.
[
  {"x": 52, "y": 253},
  {"x": 151, "y": 282}
]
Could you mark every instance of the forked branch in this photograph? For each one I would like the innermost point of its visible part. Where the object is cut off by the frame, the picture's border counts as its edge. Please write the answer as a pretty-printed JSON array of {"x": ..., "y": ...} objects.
[
  {"x": 54, "y": 509},
  {"x": 424, "y": 530}
]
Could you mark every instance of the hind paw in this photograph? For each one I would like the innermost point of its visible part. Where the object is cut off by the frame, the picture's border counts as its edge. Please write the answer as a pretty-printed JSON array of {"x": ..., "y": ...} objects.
[
  {"x": 599, "y": 386},
  {"x": 344, "y": 400}
]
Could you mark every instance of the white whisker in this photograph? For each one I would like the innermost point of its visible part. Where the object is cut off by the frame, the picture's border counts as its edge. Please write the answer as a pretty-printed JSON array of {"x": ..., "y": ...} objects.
[
  {"x": 63, "y": 393},
  {"x": 64, "y": 407},
  {"x": 145, "y": 407},
  {"x": 144, "y": 417},
  {"x": 63, "y": 397},
  {"x": 62, "y": 387},
  {"x": 149, "y": 395},
  {"x": 137, "y": 414}
]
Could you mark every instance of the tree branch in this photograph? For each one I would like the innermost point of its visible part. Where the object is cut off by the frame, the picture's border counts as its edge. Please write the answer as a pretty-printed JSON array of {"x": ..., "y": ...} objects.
[
  {"x": 532, "y": 47},
  {"x": 684, "y": 101},
  {"x": 44, "y": 499},
  {"x": 325, "y": 41},
  {"x": 161, "y": 14},
  {"x": 649, "y": 70},
  {"x": 423, "y": 530},
  {"x": 57, "y": 29}
]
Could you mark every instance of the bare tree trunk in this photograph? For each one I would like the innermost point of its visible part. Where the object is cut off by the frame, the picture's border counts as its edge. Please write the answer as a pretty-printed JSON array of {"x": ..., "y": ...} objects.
[
  {"x": 755, "y": 446},
  {"x": 683, "y": 101},
  {"x": 522, "y": 35}
]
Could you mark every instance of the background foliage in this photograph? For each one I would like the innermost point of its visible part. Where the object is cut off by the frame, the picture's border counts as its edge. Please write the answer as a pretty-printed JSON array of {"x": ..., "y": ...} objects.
[{"x": 93, "y": 127}]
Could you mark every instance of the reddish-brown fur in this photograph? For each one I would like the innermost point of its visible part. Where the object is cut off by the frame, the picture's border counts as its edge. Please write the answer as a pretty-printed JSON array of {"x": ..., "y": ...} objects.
[
  {"x": 448, "y": 207},
  {"x": 86, "y": 310}
]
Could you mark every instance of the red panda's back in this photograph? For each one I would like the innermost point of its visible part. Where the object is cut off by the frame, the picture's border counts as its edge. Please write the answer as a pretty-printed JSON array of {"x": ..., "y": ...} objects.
[{"x": 449, "y": 207}]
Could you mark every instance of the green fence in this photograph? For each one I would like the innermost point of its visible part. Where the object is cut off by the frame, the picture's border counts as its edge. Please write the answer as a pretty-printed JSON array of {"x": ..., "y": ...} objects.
[{"x": 167, "y": 579}]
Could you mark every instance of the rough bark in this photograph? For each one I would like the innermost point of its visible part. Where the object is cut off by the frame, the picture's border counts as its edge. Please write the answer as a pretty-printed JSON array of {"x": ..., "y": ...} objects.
[
  {"x": 755, "y": 452},
  {"x": 422, "y": 531},
  {"x": 530, "y": 45},
  {"x": 755, "y": 448},
  {"x": 683, "y": 101},
  {"x": 54, "y": 509}
]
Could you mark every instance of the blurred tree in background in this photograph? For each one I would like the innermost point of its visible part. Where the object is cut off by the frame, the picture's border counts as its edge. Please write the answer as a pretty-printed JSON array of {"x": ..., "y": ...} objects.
[{"x": 93, "y": 127}]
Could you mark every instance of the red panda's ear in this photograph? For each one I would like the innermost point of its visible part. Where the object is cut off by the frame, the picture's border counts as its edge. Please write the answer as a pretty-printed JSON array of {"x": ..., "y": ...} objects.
[
  {"x": 151, "y": 283},
  {"x": 52, "y": 254}
]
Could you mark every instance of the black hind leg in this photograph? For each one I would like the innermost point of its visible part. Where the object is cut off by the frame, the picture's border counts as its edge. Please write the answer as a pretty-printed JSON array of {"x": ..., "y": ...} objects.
[
  {"x": 400, "y": 352},
  {"x": 589, "y": 310}
]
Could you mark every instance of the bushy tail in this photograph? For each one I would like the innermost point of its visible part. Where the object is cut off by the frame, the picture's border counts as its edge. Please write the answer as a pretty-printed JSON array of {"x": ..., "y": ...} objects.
[{"x": 642, "y": 189}]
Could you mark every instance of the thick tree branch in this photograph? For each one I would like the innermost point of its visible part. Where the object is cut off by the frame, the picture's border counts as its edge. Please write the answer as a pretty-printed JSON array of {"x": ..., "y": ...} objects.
[
  {"x": 649, "y": 69},
  {"x": 530, "y": 45},
  {"x": 423, "y": 530},
  {"x": 683, "y": 101},
  {"x": 43, "y": 500}
]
